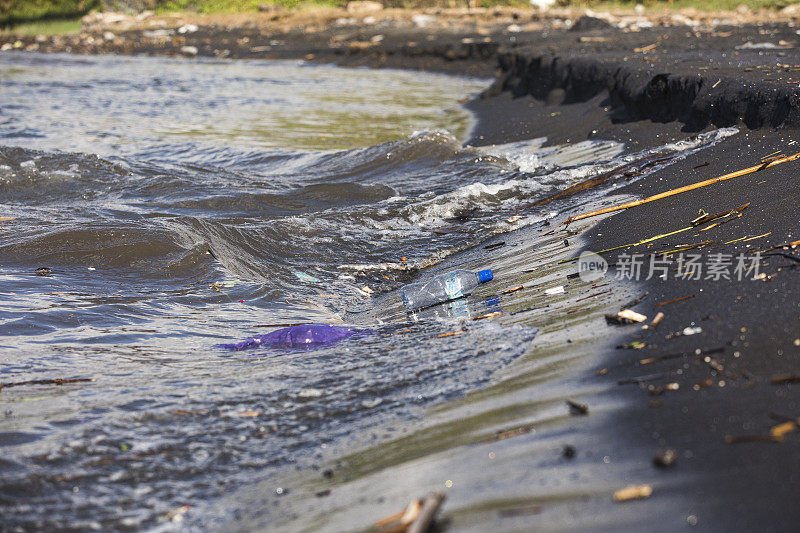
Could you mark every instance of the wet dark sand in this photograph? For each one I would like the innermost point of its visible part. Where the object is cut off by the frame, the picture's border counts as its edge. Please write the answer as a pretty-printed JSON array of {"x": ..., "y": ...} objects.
[{"x": 752, "y": 328}]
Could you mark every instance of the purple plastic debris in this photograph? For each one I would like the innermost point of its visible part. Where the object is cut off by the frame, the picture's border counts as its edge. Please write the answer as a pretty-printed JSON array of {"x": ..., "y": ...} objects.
[{"x": 295, "y": 337}]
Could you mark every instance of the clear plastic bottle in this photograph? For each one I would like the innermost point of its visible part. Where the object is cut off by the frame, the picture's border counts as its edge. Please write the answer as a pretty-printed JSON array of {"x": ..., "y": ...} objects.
[{"x": 455, "y": 284}]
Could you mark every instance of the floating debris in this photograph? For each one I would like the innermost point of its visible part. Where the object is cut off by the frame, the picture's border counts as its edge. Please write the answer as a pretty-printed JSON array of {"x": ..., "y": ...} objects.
[
  {"x": 555, "y": 290},
  {"x": 55, "y": 381},
  {"x": 495, "y": 246},
  {"x": 302, "y": 276}
]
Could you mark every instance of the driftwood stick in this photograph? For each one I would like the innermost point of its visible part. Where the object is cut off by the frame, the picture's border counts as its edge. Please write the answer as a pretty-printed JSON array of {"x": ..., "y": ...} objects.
[
  {"x": 693, "y": 186},
  {"x": 428, "y": 512}
]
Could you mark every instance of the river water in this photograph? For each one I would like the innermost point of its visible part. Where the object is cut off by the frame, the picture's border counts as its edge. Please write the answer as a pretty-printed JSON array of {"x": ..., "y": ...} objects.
[{"x": 163, "y": 206}]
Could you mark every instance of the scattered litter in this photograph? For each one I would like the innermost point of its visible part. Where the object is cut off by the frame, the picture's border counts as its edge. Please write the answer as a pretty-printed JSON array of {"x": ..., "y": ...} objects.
[
  {"x": 635, "y": 345},
  {"x": 513, "y": 289},
  {"x": 697, "y": 352},
  {"x": 281, "y": 325},
  {"x": 56, "y": 381},
  {"x": 508, "y": 433},
  {"x": 633, "y": 492},
  {"x": 296, "y": 337},
  {"x": 626, "y": 316},
  {"x": 705, "y": 217},
  {"x": 644, "y": 49},
  {"x": 642, "y": 379},
  {"x": 593, "y": 295},
  {"x": 691, "y": 331},
  {"x": 444, "y": 287},
  {"x": 782, "y": 429},
  {"x": 416, "y": 518},
  {"x": 657, "y": 390},
  {"x": 176, "y": 515},
  {"x": 665, "y": 458},
  {"x": 713, "y": 363},
  {"x": 782, "y": 379},
  {"x": 741, "y": 439},
  {"x": 631, "y": 169},
  {"x": 680, "y": 190},
  {"x": 749, "y": 45},
  {"x": 302, "y": 276},
  {"x": 487, "y": 315},
  {"x": 495, "y": 246},
  {"x": 676, "y": 300},
  {"x": 513, "y": 219},
  {"x": 577, "y": 408},
  {"x": 655, "y": 322},
  {"x": 555, "y": 290}
]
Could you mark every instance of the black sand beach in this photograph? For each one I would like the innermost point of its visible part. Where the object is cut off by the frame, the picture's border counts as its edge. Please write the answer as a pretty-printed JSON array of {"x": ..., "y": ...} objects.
[{"x": 725, "y": 397}]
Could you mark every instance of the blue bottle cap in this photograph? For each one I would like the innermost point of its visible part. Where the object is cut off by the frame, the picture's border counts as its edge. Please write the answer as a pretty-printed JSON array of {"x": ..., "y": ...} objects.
[{"x": 485, "y": 275}]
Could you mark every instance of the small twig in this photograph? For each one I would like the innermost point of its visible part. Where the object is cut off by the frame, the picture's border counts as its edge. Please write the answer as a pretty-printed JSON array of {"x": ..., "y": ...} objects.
[
  {"x": 676, "y": 300},
  {"x": 428, "y": 512},
  {"x": 56, "y": 381}
]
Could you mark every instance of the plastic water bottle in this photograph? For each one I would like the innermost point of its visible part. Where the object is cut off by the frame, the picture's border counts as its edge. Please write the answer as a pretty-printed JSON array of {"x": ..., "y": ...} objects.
[{"x": 455, "y": 284}]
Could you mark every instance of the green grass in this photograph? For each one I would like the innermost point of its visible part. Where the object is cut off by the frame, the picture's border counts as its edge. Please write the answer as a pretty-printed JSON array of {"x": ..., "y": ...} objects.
[
  {"x": 21, "y": 11},
  {"x": 244, "y": 6},
  {"x": 27, "y": 16},
  {"x": 701, "y": 5},
  {"x": 46, "y": 27},
  {"x": 237, "y": 6}
]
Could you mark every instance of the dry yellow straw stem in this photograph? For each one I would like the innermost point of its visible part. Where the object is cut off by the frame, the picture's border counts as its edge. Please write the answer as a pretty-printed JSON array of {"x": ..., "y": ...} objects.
[{"x": 680, "y": 190}]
